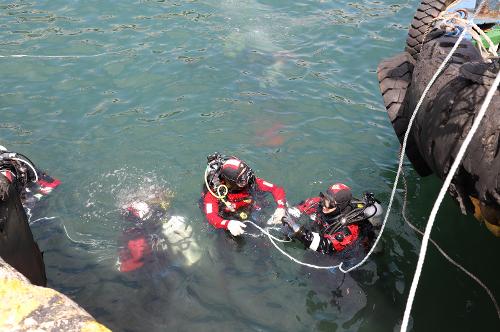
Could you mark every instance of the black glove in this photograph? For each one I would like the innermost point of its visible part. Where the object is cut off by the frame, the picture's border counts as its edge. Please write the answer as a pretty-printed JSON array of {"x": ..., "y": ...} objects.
[{"x": 292, "y": 229}]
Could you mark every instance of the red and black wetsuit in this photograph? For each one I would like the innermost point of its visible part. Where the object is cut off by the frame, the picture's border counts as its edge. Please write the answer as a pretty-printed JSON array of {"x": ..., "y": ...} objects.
[
  {"x": 324, "y": 242},
  {"x": 218, "y": 214},
  {"x": 138, "y": 239},
  {"x": 32, "y": 192}
]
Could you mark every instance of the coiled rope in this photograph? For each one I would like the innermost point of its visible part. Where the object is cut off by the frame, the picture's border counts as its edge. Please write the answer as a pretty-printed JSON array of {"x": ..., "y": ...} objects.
[
  {"x": 272, "y": 238},
  {"x": 451, "y": 20}
]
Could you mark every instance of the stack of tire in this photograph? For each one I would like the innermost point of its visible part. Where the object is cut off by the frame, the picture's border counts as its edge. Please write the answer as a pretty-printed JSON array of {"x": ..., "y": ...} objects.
[{"x": 447, "y": 112}]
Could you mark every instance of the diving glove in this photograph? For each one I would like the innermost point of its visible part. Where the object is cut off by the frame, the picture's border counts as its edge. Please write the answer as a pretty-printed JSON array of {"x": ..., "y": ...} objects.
[
  {"x": 236, "y": 227},
  {"x": 295, "y": 229},
  {"x": 278, "y": 214}
]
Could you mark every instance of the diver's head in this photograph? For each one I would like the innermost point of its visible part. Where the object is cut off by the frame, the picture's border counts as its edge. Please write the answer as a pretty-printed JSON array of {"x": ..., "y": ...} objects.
[
  {"x": 236, "y": 174},
  {"x": 336, "y": 198}
]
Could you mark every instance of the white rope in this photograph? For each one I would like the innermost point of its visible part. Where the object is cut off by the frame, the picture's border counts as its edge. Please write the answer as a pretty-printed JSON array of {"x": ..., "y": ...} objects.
[
  {"x": 29, "y": 165},
  {"x": 42, "y": 218},
  {"x": 271, "y": 238},
  {"x": 396, "y": 180},
  {"x": 265, "y": 232},
  {"x": 442, "y": 192},
  {"x": 59, "y": 56},
  {"x": 451, "y": 20},
  {"x": 470, "y": 274},
  {"x": 405, "y": 140},
  {"x": 96, "y": 243}
]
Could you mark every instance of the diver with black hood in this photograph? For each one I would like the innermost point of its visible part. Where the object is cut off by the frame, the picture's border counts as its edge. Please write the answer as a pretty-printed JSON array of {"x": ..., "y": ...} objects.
[
  {"x": 32, "y": 183},
  {"x": 339, "y": 219},
  {"x": 231, "y": 194}
]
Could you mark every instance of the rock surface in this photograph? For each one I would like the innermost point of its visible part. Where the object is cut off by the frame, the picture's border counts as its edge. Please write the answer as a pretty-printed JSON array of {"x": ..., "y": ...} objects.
[{"x": 26, "y": 307}]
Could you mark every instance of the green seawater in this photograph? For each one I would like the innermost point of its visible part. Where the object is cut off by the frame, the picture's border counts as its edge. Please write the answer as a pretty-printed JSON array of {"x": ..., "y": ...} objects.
[{"x": 147, "y": 89}]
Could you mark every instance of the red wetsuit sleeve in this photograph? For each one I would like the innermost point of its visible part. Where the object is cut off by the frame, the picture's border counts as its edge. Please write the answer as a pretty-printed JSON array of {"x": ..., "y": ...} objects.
[
  {"x": 277, "y": 191},
  {"x": 211, "y": 209},
  {"x": 309, "y": 206},
  {"x": 46, "y": 183}
]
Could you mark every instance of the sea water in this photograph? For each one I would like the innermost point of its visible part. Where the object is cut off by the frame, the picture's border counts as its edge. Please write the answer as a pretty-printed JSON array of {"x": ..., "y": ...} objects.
[{"x": 120, "y": 97}]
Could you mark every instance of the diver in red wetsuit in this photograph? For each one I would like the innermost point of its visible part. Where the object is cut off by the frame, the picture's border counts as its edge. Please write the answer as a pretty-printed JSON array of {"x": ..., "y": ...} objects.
[
  {"x": 153, "y": 235},
  {"x": 32, "y": 184},
  {"x": 22, "y": 185},
  {"x": 230, "y": 191},
  {"x": 141, "y": 233},
  {"x": 339, "y": 220}
]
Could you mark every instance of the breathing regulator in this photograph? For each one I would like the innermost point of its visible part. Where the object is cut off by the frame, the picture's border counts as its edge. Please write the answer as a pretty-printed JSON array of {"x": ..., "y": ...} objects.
[
  {"x": 212, "y": 178},
  {"x": 214, "y": 167}
]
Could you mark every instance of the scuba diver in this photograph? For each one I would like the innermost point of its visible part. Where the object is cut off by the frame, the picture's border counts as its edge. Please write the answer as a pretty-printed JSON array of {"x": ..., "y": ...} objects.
[
  {"x": 31, "y": 183},
  {"x": 230, "y": 194},
  {"x": 22, "y": 186},
  {"x": 140, "y": 235},
  {"x": 339, "y": 219},
  {"x": 151, "y": 230}
]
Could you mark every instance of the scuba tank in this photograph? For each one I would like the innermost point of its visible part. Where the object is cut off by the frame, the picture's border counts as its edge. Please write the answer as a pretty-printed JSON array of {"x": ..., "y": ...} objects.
[{"x": 373, "y": 210}]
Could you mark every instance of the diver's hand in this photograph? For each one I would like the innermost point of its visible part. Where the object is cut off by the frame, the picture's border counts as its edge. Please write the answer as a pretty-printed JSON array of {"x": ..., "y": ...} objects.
[
  {"x": 294, "y": 212},
  {"x": 295, "y": 228},
  {"x": 236, "y": 227},
  {"x": 277, "y": 217}
]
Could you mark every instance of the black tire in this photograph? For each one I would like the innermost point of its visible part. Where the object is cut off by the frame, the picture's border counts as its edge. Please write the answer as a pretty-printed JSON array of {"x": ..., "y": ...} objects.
[
  {"x": 394, "y": 77},
  {"x": 447, "y": 114},
  {"x": 426, "y": 12}
]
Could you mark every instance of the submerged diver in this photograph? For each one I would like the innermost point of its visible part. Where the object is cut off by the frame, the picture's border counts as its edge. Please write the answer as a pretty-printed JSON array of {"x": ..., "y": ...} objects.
[
  {"x": 153, "y": 229},
  {"x": 339, "y": 219},
  {"x": 230, "y": 194},
  {"x": 140, "y": 235},
  {"x": 32, "y": 183}
]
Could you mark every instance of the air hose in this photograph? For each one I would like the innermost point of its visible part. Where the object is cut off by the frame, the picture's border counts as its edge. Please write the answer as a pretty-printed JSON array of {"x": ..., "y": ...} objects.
[
  {"x": 23, "y": 160},
  {"x": 218, "y": 190}
]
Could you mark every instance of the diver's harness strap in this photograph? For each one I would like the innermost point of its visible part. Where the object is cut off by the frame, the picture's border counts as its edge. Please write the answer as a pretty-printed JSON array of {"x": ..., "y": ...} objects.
[
  {"x": 20, "y": 165},
  {"x": 354, "y": 216},
  {"x": 212, "y": 178}
]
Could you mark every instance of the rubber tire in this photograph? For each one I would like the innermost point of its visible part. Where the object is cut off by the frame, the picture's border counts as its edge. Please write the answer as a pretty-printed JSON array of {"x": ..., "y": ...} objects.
[
  {"x": 447, "y": 114},
  {"x": 426, "y": 12},
  {"x": 394, "y": 77}
]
